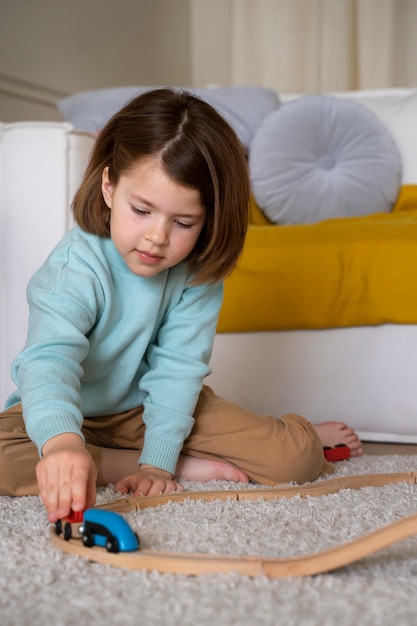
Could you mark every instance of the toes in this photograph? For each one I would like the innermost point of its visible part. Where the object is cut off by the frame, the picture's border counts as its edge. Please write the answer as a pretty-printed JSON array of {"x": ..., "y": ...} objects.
[{"x": 356, "y": 451}]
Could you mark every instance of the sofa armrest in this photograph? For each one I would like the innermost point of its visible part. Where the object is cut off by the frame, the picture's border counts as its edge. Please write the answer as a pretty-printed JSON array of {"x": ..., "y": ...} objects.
[{"x": 41, "y": 164}]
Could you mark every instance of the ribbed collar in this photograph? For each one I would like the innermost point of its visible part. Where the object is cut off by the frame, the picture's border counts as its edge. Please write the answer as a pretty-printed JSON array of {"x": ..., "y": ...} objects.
[{"x": 113, "y": 256}]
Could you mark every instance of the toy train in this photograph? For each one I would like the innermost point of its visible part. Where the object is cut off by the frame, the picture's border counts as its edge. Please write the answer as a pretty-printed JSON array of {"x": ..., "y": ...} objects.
[{"x": 97, "y": 527}]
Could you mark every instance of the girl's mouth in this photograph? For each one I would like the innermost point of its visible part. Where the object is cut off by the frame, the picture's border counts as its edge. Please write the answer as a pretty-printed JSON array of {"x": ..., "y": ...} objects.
[{"x": 148, "y": 258}]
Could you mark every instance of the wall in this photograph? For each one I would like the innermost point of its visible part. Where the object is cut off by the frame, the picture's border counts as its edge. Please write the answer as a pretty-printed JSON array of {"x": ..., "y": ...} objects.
[{"x": 51, "y": 48}]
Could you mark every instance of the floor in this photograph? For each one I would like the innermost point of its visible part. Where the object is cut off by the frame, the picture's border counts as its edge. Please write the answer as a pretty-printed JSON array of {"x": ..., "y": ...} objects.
[{"x": 389, "y": 448}]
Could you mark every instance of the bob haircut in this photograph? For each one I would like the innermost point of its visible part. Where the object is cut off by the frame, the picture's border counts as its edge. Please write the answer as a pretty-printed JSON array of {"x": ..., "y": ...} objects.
[{"x": 198, "y": 149}]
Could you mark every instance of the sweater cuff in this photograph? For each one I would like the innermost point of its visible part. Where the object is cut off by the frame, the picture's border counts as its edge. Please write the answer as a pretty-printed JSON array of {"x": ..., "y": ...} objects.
[
  {"x": 51, "y": 427},
  {"x": 160, "y": 453}
]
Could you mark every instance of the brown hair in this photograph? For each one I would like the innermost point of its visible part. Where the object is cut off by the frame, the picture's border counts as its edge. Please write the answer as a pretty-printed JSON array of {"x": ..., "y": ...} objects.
[{"x": 198, "y": 149}]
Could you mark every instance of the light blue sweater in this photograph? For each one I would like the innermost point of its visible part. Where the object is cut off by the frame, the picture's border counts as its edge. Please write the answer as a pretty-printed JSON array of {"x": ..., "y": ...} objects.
[{"x": 102, "y": 340}]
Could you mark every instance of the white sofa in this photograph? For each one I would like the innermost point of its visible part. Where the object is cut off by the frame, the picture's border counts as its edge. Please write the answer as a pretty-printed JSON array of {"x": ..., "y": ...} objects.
[{"x": 365, "y": 375}]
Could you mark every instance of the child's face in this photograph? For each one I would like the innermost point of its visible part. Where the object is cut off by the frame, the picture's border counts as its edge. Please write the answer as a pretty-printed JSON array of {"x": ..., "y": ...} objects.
[{"x": 154, "y": 221}]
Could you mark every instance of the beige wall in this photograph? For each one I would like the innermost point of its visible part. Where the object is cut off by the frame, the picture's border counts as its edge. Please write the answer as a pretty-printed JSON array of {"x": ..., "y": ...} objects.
[{"x": 50, "y": 48}]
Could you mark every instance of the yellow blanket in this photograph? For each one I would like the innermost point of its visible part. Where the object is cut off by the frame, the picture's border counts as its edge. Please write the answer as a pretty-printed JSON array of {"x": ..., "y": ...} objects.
[{"x": 338, "y": 273}]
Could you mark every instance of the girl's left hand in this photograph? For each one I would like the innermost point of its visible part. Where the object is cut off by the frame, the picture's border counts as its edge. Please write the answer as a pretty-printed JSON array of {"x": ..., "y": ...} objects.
[{"x": 149, "y": 480}]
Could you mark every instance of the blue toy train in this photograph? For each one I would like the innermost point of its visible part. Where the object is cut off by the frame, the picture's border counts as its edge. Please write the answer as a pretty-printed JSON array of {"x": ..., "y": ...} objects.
[{"x": 97, "y": 527}]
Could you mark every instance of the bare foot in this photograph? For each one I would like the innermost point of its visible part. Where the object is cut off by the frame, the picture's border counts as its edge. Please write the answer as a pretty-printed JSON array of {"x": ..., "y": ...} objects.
[
  {"x": 201, "y": 470},
  {"x": 333, "y": 433}
]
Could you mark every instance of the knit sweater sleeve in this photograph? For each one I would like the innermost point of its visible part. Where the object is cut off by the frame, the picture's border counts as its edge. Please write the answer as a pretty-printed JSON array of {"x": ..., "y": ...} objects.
[
  {"x": 178, "y": 362},
  {"x": 48, "y": 371}
]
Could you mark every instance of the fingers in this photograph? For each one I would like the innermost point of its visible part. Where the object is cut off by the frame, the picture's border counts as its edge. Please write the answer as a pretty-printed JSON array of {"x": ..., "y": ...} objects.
[
  {"x": 153, "y": 487},
  {"x": 126, "y": 485},
  {"x": 55, "y": 492},
  {"x": 91, "y": 492},
  {"x": 80, "y": 484},
  {"x": 147, "y": 485},
  {"x": 66, "y": 484}
]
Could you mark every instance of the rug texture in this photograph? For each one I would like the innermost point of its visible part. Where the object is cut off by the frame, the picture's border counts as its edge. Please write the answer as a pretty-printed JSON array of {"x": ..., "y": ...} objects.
[{"x": 39, "y": 585}]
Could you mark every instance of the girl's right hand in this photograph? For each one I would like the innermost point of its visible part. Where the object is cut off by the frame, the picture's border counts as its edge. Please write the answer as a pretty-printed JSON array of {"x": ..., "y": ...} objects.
[
  {"x": 148, "y": 480},
  {"x": 66, "y": 476}
]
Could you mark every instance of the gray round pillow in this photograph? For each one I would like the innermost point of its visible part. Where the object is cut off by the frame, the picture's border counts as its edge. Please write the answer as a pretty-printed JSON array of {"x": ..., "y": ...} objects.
[{"x": 320, "y": 157}]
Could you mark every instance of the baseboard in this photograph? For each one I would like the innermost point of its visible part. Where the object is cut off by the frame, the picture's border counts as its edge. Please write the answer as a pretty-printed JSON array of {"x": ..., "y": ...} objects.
[
  {"x": 389, "y": 448},
  {"x": 386, "y": 437}
]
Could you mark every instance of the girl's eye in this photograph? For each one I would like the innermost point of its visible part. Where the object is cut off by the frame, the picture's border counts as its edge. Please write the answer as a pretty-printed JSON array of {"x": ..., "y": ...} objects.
[
  {"x": 139, "y": 211},
  {"x": 182, "y": 224}
]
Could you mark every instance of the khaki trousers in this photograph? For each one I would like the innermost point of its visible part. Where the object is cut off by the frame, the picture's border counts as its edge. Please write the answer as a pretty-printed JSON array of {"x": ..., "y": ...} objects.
[{"x": 268, "y": 449}]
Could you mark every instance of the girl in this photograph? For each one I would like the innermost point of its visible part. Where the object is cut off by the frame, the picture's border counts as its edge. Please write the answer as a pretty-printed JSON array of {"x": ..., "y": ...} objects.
[{"x": 122, "y": 320}]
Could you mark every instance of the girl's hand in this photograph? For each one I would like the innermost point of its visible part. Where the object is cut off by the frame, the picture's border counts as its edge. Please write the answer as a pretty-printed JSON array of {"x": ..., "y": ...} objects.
[
  {"x": 66, "y": 476},
  {"x": 149, "y": 480}
]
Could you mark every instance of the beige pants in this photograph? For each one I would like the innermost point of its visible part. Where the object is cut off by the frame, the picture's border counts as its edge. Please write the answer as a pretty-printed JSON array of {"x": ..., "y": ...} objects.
[{"x": 268, "y": 449}]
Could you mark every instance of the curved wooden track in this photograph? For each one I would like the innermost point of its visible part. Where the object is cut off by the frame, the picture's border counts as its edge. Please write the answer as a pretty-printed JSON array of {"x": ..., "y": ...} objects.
[{"x": 195, "y": 564}]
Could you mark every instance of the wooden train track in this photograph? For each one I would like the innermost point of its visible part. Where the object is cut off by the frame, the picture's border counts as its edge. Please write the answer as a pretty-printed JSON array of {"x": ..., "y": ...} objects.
[{"x": 195, "y": 563}]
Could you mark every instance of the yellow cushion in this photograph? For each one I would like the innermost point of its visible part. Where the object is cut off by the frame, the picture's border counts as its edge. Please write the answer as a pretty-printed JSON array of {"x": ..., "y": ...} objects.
[
  {"x": 256, "y": 216},
  {"x": 407, "y": 199},
  {"x": 337, "y": 273}
]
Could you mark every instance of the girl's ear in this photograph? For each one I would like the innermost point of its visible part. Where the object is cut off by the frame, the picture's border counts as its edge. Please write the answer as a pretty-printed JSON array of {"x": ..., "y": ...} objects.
[{"x": 107, "y": 187}]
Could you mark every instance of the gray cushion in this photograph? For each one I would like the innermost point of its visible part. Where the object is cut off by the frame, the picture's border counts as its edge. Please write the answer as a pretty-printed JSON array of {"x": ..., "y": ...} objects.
[
  {"x": 243, "y": 107},
  {"x": 320, "y": 157}
]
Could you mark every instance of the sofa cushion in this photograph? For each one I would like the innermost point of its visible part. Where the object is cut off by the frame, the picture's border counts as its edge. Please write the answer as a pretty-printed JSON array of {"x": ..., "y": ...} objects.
[
  {"x": 244, "y": 107},
  {"x": 339, "y": 273},
  {"x": 396, "y": 108},
  {"x": 320, "y": 157},
  {"x": 407, "y": 199}
]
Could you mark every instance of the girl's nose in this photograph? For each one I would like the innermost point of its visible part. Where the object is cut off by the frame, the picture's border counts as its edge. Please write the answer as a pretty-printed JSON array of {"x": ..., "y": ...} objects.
[{"x": 158, "y": 234}]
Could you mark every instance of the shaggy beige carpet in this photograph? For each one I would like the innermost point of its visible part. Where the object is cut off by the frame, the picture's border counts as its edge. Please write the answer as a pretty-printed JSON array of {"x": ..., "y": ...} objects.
[{"x": 39, "y": 585}]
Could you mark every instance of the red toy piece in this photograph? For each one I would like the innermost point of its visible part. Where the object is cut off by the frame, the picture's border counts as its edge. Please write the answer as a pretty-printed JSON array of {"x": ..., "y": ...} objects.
[
  {"x": 64, "y": 525},
  {"x": 338, "y": 453}
]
